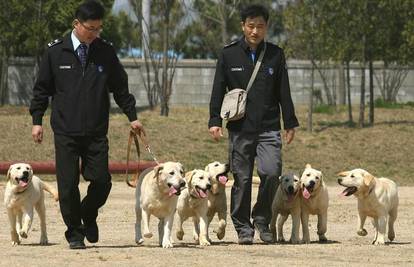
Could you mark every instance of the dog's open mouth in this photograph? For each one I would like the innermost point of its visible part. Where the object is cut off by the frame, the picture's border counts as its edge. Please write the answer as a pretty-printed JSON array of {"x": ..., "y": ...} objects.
[
  {"x": 222, "y": 178},
  {"x": 23, "y": 181},
  {"x": 174, "y": 191},
  {"x": 307, "y": 191},
  {"x": 349, "y": 191},
  {"x": 290, "y": 195},
  {"x": 202, "y": 193}
]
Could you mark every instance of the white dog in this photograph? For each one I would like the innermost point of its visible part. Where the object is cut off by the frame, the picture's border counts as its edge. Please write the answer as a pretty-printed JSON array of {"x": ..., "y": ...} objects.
[
  {"x": 286, "y": 201},
  {"x": 315, "y": 201},
  {"x": 157, "y": 194},
  {"x": 217, "y": 200},
  {"x": 23, "y": 192},
  {"x": 193, "y": 203},
  {"x": 377, "y": 198}
]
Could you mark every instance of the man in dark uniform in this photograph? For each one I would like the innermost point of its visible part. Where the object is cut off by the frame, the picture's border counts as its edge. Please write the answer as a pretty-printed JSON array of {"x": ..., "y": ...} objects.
[
  {"x": 257, "y": 135},
  {"x": 78, "y": 72}
]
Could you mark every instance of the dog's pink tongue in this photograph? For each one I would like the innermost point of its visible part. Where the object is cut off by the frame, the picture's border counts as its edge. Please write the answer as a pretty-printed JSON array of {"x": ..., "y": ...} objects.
[
  {"x": 202, "y": 194},
  {"x": 223, "y": 179},
  {"x": 342, "y": 194},
  {"x": 305, "y": 193},
  {"x": 172, "y": 191},
  {"x": 22, "y": 183}
]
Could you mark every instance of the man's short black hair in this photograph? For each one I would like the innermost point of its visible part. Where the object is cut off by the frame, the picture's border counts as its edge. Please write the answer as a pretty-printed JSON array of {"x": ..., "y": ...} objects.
[
  {"x": 254, "y": 11},
  {"x": 90, "y": 10}
]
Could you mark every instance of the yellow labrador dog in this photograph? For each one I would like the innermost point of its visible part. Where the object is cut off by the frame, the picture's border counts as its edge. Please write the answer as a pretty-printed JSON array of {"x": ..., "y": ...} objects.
[
  {"x": 193, "y": 203},
  {"x": 377, "y": 198},
  {"x": 23, "y": 192},
  {"x": 286, "y": 201},
  {"x": 217, "y": 200},
  {"x": 315, "y": 201},
  {"x": 156, "y": 194}
]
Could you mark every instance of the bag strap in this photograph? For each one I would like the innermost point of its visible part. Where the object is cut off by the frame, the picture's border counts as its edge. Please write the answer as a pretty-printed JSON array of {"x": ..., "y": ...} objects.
[{"x": 256, "y": 68}]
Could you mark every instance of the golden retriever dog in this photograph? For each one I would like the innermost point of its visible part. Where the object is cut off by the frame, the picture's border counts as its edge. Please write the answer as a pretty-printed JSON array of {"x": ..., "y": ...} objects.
[
  {"x": 193, "y": 203},
  {"x": 315, "y": 201},
  {"x": 217, "y": 200},
  {"x": 377, "y": 198},
  {"x": 286, "y": 201},
  {"x": 24, "y": 191},
  {"x": 156, "y": 194}
]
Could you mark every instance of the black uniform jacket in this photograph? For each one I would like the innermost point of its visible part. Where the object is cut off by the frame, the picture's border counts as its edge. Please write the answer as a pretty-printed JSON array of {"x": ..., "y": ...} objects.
[
  {"x": 270, "y": 91},
  {"x": 80, "y": 97}
]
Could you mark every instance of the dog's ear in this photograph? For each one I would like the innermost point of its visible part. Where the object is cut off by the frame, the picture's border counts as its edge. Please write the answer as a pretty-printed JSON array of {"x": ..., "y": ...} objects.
[
  {"x": 369, "y": 179},
  {"x": 207, "y": 169},
  {"x": 343, "y": 174},
  {"x": 158, "y": 169},
  {"x": 189, "y": 176},
  {"x": 308, "y": 166},
  {"x": 9, "y": 172}
]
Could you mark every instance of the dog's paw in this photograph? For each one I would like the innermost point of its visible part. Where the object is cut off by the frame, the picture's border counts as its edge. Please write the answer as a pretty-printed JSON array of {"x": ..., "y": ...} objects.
[
  {"x": 391, "y": 236},
  {"x": 362, "y": 232},
  {"x": 220, "y": 233},
  {"x": 23, "y": 234},
  {"x": 167, "y": 244},
  {"x": 180, "y": 235},
  {"x": 148, "y": 235},
  {"x": 15, "y": 243},
  {"x": 204, "y": 242},
  {"x": 293, "y": 241},
  {"x": 323, "y": 239},
  {"x": 195, "y": 237},
  {"x": 139, "y": 241},
  {"x": 306, "y": 241},
  {"x": 378, "y": 242},
  {"x": 44, "y": 242}
]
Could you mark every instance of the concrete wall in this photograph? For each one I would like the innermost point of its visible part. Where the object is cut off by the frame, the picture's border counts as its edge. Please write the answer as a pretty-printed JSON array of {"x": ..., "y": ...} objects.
[{"x": 194, "y": 78}]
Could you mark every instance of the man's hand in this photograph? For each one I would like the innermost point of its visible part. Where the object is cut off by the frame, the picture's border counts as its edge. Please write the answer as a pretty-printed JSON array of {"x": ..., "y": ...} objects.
[
  {"x": 137, "y": 127},
  {"x": 289, "y": 135},
  {"x": 215, "y": 132},
  {"x": 37, "y": 133}
]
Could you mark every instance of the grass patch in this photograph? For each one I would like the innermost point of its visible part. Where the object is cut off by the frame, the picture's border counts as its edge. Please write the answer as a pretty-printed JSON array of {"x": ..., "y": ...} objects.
[
  {"x": 324, "y": 109},
  {"x": 384, "y": 149},
  {"x": 380, "y": 103}
]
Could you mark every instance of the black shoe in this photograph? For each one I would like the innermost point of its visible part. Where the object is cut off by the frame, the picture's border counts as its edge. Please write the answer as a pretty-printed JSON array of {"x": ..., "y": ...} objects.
[
  {"x": 245, "y": 240},
  {"x": 77, "y": 245},
  {"x": 91, "y": 232},
  {"x": 265, "y": 234}
]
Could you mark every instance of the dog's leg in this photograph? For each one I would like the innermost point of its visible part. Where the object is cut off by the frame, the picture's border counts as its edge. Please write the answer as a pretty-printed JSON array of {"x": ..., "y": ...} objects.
[
  {"x": 361, "y": 221},
  {"x": 392, "y": 217},
  {"x": 19, "y": 220},
  {"x": 375, "y": 224},
  {"x": 381, "y": 224},
  {"x": 145, "y": 222},
  {"x": 12, "y": 220},
  {"x": 322, "y": 226},
  {"x": 166, "y": 239},
  {"x": 161, "y": 223},
  {"x": 294, "y": 237},
  {"x": 221, "y": 229},
  {"x": 138, "y": 218},
  {"x": 305, "y": 227},
  {"x": 47, "y": 187},
  {"x": 203, "y": 233},
  {"x": 41, "y": 210},
  {"x": 280, "y": 222},
  {"x": 196, "y": 230},
  {"x": 180, "y": 231},
  {"x": 27, "y": 221},
  {"x": 272, "y": 225}
]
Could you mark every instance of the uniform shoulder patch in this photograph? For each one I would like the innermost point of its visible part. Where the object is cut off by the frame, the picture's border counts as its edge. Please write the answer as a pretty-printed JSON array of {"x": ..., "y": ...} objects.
[
  {"x": 231, "y": 44},
  {"x": 54, "y": 42}
]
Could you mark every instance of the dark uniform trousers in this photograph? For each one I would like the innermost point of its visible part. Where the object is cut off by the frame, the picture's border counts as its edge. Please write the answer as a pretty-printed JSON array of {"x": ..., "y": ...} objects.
[
  {"x": 92, "y": 153},
  {"x": 243, "y": 149}
]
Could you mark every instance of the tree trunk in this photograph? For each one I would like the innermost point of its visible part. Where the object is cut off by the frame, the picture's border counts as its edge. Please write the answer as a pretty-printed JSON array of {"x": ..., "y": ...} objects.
[
  {"x": 3, "y": 78},
  {"x": 341, "y": 85},
  {"x": 310, "y": 108},
  {"x": 348, "y": 84},
  {"x": 165, "y": 95},
  {"x": 362, "y": 101},
  {"x": 371, "y": 93}
]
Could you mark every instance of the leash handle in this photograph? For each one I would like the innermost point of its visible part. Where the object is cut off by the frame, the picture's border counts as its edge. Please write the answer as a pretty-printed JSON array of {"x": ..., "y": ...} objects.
[{"x": 132, "y": 136}]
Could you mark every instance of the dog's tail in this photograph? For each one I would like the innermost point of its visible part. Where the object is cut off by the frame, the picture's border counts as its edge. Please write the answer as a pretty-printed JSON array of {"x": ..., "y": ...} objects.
[{"x": 47, "y": 187}]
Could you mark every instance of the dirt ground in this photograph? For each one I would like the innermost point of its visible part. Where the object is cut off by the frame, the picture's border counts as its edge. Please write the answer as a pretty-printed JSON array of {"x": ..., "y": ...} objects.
[{"x": 117, "y": 247}]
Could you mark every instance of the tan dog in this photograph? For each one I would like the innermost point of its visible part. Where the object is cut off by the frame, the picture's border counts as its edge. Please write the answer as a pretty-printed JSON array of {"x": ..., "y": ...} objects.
[
  {"x": 377, "y": 198},
  {"x": 157, "y": 194},
  {"x": 286, "y": 201},
  {"x": 193, "y": 203},
  {"x": 315, "y": 201},
  {"x": 23, "y": 192},
  {"x": 217, "y": 200}
]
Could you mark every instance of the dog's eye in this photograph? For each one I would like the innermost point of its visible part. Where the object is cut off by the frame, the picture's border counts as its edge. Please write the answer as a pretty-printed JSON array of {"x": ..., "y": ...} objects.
[
  {"x": 296, "y": 180},
  {"x": 201, "y": 177},
  {"x": 286, "y": 180},
  {"x": 352, "y": 176},
  {"x": 317, "y": 177},
  {"x": 215, "y": 165},
  {"x": 172, "y": 173},
  {"x": 18, "y": 168},
  {"x": 308, "y": 174}
]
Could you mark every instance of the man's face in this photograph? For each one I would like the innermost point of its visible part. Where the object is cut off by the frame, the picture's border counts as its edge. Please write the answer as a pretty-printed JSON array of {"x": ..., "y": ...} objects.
[
  {"x": 254, "y": 30},
  {"x": 88, "y": 30}
]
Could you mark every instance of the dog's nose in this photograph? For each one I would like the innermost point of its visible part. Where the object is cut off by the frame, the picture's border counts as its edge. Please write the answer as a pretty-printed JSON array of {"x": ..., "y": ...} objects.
[
  {"x": 169, "y": 184},
  {"x": 312, "y": 183},
  {"x": 208, "y": 186},
  {"x": 182, "y": 184},
  {"x": 25, "y": 173},
  {"x": 339, "y": 180},
  {"x": 290, "y": 189}
]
